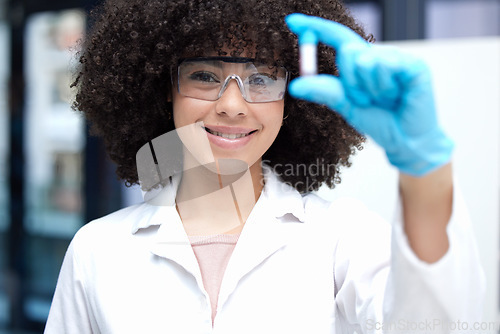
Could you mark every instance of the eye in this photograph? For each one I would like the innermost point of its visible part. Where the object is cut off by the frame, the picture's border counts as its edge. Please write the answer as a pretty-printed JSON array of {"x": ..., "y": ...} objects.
[
  {"x": 203, "y": 76},
  {"x": 261, "y": 79}
]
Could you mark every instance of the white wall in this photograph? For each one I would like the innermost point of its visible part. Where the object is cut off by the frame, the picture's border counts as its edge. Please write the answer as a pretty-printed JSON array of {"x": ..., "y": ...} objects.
[
  {"x": 462, "y": 18},
  {"x": 467, "y": 85}
]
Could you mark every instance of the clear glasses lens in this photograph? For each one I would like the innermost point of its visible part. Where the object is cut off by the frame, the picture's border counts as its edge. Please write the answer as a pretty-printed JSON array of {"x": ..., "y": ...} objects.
[{"x": 207, "y": 79}]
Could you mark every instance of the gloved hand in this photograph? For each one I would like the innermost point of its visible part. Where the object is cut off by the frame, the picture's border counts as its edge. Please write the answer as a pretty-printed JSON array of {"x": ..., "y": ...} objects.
[{"x": 382, "y": 92}]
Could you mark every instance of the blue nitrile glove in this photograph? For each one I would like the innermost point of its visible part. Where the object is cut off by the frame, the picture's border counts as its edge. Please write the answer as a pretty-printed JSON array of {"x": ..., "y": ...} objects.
[{"x": 382, "y": 92}]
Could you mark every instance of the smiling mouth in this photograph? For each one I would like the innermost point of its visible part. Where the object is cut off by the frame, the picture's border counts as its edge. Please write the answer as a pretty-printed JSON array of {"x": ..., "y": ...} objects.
[{"x": 229, "y": 135}]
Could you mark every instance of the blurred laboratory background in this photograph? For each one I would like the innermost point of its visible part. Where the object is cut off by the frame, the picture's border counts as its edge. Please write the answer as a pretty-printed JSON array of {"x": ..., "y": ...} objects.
[{"x": 54, "y": 177}]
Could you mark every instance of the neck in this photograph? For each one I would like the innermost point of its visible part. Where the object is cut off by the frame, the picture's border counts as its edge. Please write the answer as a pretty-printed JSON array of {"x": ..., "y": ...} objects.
[{"x": 218, "y": 198}]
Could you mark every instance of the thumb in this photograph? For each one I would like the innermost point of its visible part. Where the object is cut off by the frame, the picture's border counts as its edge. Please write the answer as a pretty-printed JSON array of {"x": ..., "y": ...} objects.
[{"x": 322, "y": 89}]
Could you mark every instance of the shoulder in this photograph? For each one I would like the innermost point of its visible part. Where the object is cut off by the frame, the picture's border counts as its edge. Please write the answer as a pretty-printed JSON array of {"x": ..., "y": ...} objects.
[
  {"x": 343, "y": 215},
  {"x": 116, "y": 220},
  {"x": 115, "y": 226}
]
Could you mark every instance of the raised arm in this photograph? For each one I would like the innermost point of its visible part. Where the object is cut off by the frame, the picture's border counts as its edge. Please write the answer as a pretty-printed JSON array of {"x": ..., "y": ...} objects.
[{"x": 387, "y": 95}]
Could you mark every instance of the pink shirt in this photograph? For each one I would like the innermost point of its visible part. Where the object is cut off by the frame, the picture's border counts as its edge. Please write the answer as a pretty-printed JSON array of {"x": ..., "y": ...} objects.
[{"x": 213, "y": 253}]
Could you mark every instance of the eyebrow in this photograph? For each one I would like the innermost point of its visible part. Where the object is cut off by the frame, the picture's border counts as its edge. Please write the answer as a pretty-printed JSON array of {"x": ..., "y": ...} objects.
[
  {"x": 217, "y": 62},
  {"x": 194, "y": 64}
]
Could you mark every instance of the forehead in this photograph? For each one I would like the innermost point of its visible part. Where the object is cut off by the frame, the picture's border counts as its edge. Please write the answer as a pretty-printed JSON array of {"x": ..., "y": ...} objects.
[{"x": 248, "y": 51}]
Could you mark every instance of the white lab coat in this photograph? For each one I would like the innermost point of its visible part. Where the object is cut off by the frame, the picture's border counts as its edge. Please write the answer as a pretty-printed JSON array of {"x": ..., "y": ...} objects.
[{"x": 300, "y": 265}]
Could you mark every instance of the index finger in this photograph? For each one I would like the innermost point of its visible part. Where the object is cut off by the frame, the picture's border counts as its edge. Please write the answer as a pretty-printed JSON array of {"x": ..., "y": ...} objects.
[{"x": 328, "y": 32}]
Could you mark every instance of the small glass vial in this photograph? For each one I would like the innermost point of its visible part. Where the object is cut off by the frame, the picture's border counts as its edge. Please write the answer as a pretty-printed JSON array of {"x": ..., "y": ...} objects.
[{"x": 308, "y": 44}]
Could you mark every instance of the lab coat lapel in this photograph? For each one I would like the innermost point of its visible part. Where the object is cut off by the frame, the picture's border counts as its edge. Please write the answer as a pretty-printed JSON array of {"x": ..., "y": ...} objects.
[
  {"x": 266, "y": 231},
  {"x": 172, "y": 243},
  {"x": 262, "y": 236}
]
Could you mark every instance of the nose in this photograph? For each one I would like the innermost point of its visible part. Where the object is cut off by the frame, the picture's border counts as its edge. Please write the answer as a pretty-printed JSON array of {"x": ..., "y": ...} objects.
[{"x": 232, "y": 103}]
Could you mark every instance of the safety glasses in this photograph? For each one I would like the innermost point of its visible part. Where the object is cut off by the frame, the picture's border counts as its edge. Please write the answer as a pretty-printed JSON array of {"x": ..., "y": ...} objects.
[{"x": 207, "y": 78}]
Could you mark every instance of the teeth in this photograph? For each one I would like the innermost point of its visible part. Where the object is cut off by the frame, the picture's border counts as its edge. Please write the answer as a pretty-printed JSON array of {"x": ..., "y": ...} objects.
[{"x": 227, "y": 135}]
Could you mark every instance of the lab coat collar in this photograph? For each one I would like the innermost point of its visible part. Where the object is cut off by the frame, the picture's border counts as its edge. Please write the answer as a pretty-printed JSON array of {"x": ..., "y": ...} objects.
[
  {"x": 284, "y": 198},
  {"x": 159, "y": 203},
  {"x": 170, "y": 241},
  {"x": 264, "y": 233}
]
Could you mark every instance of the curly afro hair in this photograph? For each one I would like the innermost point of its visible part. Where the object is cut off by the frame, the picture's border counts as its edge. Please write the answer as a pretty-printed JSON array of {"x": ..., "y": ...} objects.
[{"x": 124, "y": 76}]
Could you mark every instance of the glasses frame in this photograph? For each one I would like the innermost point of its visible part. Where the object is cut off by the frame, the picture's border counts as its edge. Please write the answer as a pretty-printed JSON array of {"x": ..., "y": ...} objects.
[{"x": 239, "y": 81}]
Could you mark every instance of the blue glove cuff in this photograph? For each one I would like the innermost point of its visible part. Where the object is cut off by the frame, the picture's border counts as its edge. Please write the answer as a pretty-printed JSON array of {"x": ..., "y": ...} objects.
[{"x": 422, "y": 155}]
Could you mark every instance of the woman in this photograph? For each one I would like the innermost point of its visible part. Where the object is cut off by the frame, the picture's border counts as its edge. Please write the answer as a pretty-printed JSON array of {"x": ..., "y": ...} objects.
[{"x": 233, "y": 240}]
